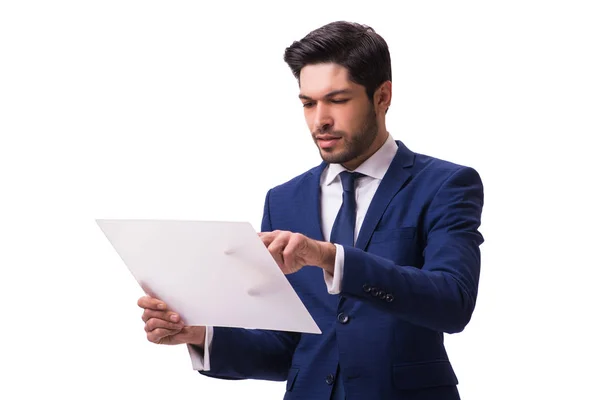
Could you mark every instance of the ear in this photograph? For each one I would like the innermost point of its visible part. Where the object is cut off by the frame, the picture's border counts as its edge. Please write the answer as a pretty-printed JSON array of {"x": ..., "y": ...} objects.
[{"x": 383, "y": 97}]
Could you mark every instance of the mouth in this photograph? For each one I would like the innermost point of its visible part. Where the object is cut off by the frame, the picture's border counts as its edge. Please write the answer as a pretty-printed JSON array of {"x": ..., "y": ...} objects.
[{"x": 327, "y": 141}]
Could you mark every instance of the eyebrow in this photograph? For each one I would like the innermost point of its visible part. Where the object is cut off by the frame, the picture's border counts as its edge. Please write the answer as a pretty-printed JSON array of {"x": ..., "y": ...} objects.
[{"x": 328, "y": 95}]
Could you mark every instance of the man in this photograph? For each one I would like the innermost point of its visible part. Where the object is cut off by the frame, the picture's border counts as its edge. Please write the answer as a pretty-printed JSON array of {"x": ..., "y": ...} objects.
[{"x": 380, "y": 243}]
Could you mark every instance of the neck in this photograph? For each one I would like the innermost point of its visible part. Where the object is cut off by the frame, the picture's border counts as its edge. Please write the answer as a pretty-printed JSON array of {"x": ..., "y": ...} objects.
[{"x": 376, "y": 145}]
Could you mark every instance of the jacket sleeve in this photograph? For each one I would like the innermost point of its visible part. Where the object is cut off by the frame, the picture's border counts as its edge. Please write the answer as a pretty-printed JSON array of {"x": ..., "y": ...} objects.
[
  {"x": 441, "y": 294},
  {"x": 252, "y": 353}
]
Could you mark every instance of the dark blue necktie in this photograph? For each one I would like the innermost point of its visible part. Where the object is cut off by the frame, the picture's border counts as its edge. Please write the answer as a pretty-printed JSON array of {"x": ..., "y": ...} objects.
[
  {"x": 343, "y": 233},
  {"x": 343, "y": 227}
]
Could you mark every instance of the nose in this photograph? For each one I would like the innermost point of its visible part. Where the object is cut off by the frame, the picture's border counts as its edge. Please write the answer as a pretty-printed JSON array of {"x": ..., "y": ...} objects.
[{"x": 323, "y": 121}]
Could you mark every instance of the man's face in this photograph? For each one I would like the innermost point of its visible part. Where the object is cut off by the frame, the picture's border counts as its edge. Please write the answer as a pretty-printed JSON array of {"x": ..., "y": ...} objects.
[{"x": 338, "y": 113}]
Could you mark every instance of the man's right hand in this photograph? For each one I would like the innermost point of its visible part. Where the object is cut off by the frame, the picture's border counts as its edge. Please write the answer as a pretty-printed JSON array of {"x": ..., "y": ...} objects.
[{"x": 164, "y": 326}]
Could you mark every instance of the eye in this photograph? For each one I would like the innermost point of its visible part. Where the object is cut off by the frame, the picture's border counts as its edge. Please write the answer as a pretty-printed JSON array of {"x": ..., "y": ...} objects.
[
  {"x": 308, "y": 104},
  {"x": 339, "y": 101}
]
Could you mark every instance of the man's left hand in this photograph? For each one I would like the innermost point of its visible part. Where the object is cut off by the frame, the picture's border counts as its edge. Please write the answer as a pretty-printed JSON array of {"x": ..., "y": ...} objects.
[{"x": 292, "y": 251}]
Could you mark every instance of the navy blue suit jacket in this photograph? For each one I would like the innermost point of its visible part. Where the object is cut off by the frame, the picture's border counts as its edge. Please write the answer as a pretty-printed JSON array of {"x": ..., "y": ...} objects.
[{"x": 412, "y": 276}]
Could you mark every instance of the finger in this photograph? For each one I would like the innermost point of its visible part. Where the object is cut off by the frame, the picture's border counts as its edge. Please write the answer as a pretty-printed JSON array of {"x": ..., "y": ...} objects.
[
  {"x": 268, "y": 237},
  {"x": 276, "y": 249},
  {"x": 164, "y": 315},
  {"x": 151, "y": 303},
  {"x": 290, "y": 257},
  {"x": 155, "y": 323}
]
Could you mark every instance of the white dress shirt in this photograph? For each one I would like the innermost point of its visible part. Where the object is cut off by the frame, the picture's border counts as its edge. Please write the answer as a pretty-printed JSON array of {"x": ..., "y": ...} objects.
[{"x": 373, "y": 169}]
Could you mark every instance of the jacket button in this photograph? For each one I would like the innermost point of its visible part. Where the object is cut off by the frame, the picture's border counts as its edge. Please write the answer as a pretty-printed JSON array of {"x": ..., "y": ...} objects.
[
  {"x": 374, "y": 292},
  {"x": 389, "y": 298},
  {"x": 329, "y": 379},
  {"x": 367, "y": 288},
  {"x": 382, "y": 295},
  {"x": 343, "y": 318}
]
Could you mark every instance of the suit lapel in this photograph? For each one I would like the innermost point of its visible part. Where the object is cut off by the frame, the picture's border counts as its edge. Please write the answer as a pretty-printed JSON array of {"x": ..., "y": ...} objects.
[
  {"x": 394, "y": 180},
  {"x": 309, "y": 200}
]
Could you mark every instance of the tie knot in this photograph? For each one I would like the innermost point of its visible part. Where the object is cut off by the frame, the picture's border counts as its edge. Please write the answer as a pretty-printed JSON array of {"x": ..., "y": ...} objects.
[{"x": 348, "y": 178}]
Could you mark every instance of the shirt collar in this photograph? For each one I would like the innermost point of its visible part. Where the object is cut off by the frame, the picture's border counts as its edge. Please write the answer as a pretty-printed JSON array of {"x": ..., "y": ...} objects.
[{"x": 375, "y": 166}]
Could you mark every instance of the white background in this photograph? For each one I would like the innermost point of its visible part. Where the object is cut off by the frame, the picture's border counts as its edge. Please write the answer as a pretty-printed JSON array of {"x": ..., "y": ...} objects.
[{"x": 156, "y": 109}]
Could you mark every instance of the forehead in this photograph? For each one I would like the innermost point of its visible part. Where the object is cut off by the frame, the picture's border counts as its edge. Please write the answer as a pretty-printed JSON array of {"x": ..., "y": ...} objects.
[{"x": 319, "y": 79}]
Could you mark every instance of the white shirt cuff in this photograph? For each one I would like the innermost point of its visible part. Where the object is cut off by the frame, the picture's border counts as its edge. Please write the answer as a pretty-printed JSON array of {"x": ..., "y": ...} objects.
[
  {"x": 334, "y": 283},
  {"x": 201, "y": 362}
]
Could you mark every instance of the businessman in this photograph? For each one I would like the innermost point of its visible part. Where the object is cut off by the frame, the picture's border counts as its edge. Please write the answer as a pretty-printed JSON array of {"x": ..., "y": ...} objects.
[{"x": 380, "y": 243}]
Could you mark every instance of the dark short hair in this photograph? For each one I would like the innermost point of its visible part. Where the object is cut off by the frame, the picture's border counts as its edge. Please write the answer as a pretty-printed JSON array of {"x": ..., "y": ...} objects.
[{"x": 356, "y": 47}]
